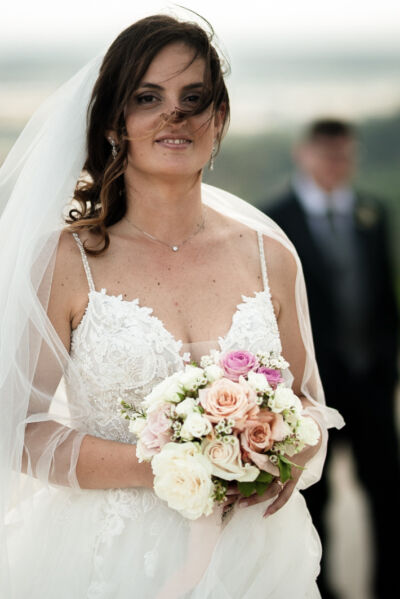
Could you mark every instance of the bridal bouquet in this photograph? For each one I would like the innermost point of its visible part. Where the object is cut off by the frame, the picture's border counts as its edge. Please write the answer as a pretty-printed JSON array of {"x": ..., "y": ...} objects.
[{"x": 231, "y": 418}]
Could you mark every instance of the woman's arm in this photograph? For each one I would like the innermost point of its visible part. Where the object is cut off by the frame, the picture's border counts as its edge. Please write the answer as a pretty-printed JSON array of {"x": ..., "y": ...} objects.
[
  {"x": 282, "y": 272},
  {"x": 53, "y": 451},
  {"x": 104, "y": 464}
]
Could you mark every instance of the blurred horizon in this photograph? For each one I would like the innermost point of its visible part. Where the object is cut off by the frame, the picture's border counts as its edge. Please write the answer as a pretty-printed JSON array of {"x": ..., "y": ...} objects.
[
  {"x": 268, "y": 90},
  {"x": 290, "y": 61}
]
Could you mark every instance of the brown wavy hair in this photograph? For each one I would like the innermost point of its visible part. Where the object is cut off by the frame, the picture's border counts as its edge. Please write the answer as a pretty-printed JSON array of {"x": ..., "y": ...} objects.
[{"x": 99, "y": 196}]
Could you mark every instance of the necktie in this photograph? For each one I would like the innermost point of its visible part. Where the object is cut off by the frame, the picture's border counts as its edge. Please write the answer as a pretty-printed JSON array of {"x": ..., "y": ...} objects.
[{"x": 330, "y": 214}]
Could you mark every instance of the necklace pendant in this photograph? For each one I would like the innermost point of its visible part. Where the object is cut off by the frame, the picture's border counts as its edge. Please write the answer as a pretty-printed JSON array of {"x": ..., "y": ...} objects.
[{"x": 174, "y": 248}]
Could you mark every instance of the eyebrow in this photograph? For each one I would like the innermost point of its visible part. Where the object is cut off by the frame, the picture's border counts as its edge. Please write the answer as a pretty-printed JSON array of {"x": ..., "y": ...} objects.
[{"x": 160, "y": 87}]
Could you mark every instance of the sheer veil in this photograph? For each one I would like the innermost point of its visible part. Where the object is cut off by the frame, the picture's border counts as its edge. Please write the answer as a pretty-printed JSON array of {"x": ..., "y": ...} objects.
[{"x": 36, "y": 182}]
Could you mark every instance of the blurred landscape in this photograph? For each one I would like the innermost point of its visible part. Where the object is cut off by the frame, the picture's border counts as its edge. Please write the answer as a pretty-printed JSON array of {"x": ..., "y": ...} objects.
[
  {"x": 257, "y": 167},
  {"x": 274, "y": 92}
]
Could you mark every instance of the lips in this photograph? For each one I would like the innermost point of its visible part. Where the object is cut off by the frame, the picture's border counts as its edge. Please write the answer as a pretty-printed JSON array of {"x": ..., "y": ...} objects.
[
  {"x": 174, "y": 142},
  {"x": 171, "y": 140}
]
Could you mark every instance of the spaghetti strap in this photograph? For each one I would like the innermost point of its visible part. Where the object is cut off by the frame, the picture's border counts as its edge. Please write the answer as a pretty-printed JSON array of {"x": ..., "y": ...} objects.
[
  {"x": 262, "y": 261},
  {"x": 85, "y": 262}
]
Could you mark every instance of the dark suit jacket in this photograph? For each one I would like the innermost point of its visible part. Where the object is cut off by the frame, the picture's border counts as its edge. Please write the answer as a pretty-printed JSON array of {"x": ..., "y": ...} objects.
[{"x": 371, "y": 236}]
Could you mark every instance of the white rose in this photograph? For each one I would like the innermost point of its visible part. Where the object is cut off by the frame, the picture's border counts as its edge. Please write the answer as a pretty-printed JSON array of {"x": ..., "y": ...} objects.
[
  {"x": 308, "y": 431},
  {"x": 291, "y": 421},
  {"x": 186, "y": 407},
  {"x": 195, "y": 425},
  {"x": 226, "y": 460},
  {"x": 182, "y": 477},
  {"x": 213, "y": 372},
  {"x": 192, "y": 378},
  {"x": 137, "y": 425},
  {"x": 258, "y": 381},
  {"x": 284, "y": 399},
  {"x": 169, "y": 390}
]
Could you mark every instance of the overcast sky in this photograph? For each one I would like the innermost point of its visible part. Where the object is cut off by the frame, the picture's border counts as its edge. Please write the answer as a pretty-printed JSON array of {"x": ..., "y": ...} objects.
[
  {"x": 371, "y": 24},
  {"x": 291, "y": 59}
]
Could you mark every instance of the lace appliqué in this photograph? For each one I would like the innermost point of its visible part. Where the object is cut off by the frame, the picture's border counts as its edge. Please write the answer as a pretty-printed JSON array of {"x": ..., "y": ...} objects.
[
  {"x": 254, "y": 326},
  {"x": 151, "y": 556},
  {"x": 120, "y": 351},
  {"x": 119, "y": 506}
]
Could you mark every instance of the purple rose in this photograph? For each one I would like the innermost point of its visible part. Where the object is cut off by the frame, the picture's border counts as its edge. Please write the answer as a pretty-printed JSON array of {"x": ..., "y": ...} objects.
[
  {"x": 238, "y": 363},
  {"x": 273, "y": 376}
]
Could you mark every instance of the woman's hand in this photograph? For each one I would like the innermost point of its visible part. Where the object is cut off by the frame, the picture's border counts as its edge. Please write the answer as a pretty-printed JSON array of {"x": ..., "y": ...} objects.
[{"x": 276, "y": 488}]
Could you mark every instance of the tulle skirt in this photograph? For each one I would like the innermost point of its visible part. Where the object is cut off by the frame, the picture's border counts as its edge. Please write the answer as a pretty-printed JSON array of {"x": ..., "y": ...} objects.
[{"x": 127, "y": 544}]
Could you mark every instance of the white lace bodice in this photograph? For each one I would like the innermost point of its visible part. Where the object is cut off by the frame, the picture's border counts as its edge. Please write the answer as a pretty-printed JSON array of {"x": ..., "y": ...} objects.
[{"x": 121, "y": 350}]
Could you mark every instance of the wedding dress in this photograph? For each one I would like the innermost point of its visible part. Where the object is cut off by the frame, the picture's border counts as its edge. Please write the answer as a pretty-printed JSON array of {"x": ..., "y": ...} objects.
[{"x": 127, "y": 543}]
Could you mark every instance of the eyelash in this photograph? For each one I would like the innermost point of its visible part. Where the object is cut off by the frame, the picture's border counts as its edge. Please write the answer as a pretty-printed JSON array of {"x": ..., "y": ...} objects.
[{"x": 148, "y": 99}]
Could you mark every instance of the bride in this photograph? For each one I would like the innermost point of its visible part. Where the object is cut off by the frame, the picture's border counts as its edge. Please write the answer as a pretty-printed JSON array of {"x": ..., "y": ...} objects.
[{"x": 109, "y": 295}]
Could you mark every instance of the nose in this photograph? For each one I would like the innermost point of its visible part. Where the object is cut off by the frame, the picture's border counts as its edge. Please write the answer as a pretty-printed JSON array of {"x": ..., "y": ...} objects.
[{"x": 174, "y": 116}]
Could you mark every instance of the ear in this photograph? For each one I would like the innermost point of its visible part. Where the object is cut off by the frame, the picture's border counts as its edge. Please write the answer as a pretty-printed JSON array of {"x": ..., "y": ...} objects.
[
  {"x": 219, "y": 118},
  {"x": 111, "y": 134}
]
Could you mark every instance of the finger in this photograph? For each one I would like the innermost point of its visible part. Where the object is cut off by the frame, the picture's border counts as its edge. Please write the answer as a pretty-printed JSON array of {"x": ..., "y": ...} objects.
[
  {"x": 229, "y": 501},
  {"x": 282, "y": 498},
  {"x": 271, "y": 491}
]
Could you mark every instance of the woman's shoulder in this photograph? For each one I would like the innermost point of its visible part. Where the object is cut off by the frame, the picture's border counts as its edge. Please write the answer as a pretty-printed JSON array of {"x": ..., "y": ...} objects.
[
  {"x": 282, "y": 271},
  {"x": 70, "y": 246},
  {"x": 68, "y": 254},
  {"x": 278, "y": 253},
  {"x": 69, "y": 275}
]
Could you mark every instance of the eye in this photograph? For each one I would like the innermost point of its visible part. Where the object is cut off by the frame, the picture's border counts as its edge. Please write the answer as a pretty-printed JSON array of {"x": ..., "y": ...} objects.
[
  {"x": 146, "y": 99},
  {"x": 192, "y": 99}
]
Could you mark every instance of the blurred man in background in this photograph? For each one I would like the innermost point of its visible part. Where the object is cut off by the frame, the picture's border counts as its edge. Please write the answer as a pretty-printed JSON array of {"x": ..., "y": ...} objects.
[{"x": 340, "y": 235}]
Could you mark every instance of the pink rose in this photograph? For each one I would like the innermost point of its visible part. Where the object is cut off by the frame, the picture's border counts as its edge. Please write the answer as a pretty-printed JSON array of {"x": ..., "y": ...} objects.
[
  {"x": 226, "y": 399},
  {"x": 157, "y": 431},
  {"x": 273, "y": 376},
  {"x": 238, "y": 363},
  {"x": 259, "y": 436}
]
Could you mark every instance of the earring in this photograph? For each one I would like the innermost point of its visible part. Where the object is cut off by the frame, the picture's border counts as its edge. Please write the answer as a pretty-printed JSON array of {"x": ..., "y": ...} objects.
[
  {"x": 114, "y": 151},
  {"x": 212, "y": 159}
]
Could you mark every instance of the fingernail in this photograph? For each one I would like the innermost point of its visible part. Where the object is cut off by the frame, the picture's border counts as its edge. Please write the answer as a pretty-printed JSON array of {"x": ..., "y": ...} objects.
[{"x": 243, "y": 504}]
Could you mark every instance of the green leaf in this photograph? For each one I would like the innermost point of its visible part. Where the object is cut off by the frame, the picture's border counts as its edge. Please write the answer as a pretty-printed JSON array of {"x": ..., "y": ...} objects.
[
  {"x": 264, "y": 477},
  {"x": 261, "y": 488},
  {"x": 246, "y": 489},
  {"x": 285, "y": 469},
  {"x": 284, "y": 459}
]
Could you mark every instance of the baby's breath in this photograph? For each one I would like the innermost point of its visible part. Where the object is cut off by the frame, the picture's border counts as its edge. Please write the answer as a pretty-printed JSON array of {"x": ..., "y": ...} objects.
[
  {"x": 219, "y": 493},
  {"x": 224, "y": 427}
]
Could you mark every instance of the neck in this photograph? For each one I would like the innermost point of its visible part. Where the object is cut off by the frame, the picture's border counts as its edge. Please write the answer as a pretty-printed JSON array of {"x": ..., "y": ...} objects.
[{"x": 167, "y": 209}]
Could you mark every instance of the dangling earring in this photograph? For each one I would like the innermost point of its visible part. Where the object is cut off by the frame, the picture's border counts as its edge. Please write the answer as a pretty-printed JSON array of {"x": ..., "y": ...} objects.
[
  {"x": 213, "y": 152},
  {"x": 114, "y": 151}
]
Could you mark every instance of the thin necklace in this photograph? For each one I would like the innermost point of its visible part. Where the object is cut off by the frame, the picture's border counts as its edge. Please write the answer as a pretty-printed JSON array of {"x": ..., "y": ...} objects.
[{"x": 175, "y": 247}]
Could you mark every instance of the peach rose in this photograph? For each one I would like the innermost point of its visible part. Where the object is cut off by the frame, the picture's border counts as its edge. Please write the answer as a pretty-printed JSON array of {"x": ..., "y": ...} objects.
[
  {"x": 226, "y": 399},
  {"x": 259, "y": 436},
  {"x": 264, "y": 431}
]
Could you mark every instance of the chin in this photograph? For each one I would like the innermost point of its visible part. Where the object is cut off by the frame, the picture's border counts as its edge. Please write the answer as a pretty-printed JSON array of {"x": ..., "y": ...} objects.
[{"x": 178, "y": 170}]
